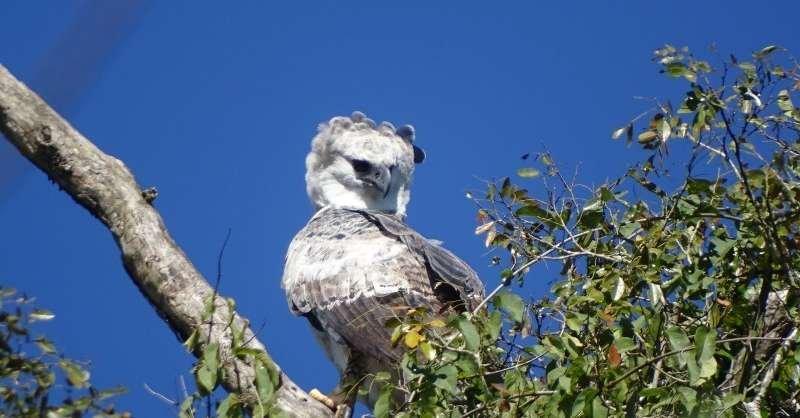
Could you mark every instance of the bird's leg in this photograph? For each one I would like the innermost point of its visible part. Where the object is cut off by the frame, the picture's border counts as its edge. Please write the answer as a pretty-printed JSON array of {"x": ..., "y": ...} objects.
[
  {"x": 345, "y": 393},
  {"x": 343, "y": 397}
]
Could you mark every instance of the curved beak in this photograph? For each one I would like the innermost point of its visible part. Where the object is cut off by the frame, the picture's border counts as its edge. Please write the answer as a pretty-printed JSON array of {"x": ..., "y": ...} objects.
[{"x": 378, "y": 177}]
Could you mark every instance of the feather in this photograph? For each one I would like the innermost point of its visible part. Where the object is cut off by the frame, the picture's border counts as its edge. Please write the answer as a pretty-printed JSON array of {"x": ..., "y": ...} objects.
[
  {"x": 355, "y": 270},
  {"x": 445, "y": 265}
]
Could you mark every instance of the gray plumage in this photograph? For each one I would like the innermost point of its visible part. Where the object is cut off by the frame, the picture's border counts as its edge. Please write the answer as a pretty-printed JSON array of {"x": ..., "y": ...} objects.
[
  {"x": 356, "y": 263},
  {"x": 354, "y": 270}
]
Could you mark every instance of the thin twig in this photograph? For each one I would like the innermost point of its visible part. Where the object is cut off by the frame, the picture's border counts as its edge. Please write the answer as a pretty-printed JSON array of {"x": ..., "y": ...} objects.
[
  {"x": 753, "y": 407},
  {"x": 159, "y": 395},
  {"x": 522, "y": 268}
]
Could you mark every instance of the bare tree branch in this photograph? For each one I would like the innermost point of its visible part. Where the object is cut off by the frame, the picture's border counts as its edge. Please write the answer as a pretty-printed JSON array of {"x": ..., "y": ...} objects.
[{"x": 159, "y": 268}]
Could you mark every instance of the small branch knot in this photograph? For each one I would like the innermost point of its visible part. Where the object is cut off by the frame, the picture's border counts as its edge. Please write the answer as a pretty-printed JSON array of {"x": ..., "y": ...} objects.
[
  {"x": 150, "y": 194},
  {"x": 45, "y": 135}
]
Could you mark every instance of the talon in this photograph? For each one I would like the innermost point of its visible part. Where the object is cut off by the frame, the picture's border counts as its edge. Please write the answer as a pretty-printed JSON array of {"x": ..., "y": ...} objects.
[
  {"x": 343, "y": 411},
  {"x": 316, "y": 394}
]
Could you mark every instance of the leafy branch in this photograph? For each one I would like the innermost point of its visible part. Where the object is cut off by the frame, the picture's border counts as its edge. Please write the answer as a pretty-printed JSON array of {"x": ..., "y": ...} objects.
[{"x": 681, "y": 301}]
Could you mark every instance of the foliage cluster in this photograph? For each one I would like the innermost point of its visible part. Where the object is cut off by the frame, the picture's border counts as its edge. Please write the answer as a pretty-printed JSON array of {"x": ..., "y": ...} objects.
[
  {"x": 31, "y": 369},
  {"x": 677, "y": 284},
  {"x": 209, "y": 371}
]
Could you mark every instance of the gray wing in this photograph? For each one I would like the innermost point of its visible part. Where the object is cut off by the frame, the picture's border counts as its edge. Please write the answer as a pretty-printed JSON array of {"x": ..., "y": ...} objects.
[
  {"x": 349, "y": 272},
  {"x": 445, "y": 266}
]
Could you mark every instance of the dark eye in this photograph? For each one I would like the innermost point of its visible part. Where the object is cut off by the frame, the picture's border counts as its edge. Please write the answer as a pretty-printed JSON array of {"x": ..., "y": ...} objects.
[{"x": 361, "y": 166}]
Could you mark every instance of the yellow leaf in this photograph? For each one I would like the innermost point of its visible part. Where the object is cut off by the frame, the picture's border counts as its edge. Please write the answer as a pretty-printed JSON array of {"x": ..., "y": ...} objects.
[
  {"x": 412, "y": 339},
  {"x": 437, "y": 323},
  {"x": 647, "y": 136}
]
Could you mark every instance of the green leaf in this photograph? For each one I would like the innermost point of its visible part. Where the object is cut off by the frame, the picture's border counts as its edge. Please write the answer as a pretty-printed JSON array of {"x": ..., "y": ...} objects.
[
  {"x": 687, "y": 358},
  {"x": 383, "y": 404},
  {"x": 264, "y": 384},
  {"x": 506, "y": 189},
  {"x": 470, "y": 333},
  {"x": 705, "y": 340},
  {"x": 679, "y": 69},
  {"x": 575, "y": 321},
  {"x": 207, "y": 371},
  {"x": 731, "y": 400},
  {"x": 722, "y": 246},
  {"x": 111, "y": 392},
  {"x": 41, "y": 315},
  {"x": 511, "y": 304},
  {"x": 230, "y": 407},
  {"x": 45, "y": 345},
  {"x": 626, "y": 230},
  {"x": 606, "y": 195},
  {"x": 764, "y": 52},
  {"x": 76, "y": 375},
  {"x": 211, "y": 355},
  {"x": 276, "y": 412},
  {"x": 624, "y": 344},
  {"x": 437, "y": 323},
  {"x": 446, "y": 378},
  {"x": 583, "y": 402},
  {"x": 466, "y": 364},
  {"x": 785, "y": 101},
  {"x": 677, "y": 338},
  {"x": 688, "y": 398},
  {"x": 591, "y": 218},
  {"x": 187, "y": 408},
  {"x": 397, "y": 332},
  {"x": 599, "y": 410},
  {"x": 528, "y": 172},
  {"x": 748, "y": 67},
  {"x": 427, "y": 350},
  {"x": 191, "y": 342},
  {"x": 531, "y": 210},
  {"x": 494, "y": 325}
]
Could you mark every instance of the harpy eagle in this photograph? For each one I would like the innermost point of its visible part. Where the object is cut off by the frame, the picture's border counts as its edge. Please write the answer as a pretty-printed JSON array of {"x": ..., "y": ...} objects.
[{"x": 356, "y": 263}]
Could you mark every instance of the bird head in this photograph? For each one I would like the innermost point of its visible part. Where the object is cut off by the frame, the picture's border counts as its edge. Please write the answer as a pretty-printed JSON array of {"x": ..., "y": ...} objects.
[{"x": 357, "y": 164}]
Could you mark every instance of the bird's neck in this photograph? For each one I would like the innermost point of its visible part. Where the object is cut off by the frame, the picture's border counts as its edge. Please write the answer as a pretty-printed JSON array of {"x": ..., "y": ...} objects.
[{"x": 334, "y": 195}]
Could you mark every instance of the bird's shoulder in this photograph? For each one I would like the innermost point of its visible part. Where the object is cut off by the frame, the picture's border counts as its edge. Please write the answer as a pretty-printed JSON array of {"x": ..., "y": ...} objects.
[{"x": 337, "y": 224}]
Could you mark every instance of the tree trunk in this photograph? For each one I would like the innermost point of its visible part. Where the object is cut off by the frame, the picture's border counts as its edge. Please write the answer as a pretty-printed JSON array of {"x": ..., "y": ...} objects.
[{"x": 159, "y": 268}]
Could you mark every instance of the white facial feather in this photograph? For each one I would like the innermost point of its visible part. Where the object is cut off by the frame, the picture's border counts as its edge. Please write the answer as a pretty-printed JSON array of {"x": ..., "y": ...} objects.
[{"x": 356, "y": 165}]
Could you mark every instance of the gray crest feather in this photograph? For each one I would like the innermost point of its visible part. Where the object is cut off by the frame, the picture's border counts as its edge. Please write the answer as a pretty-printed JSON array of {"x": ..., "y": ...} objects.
[
  {"x": 387, "y": 126},
  {"x": 357, "y": 116},
  {"x": 406, "y": 132}
]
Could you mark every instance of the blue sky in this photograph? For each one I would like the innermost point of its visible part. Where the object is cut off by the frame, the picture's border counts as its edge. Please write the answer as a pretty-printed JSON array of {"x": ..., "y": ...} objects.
[{"x": 216, "y": 107}]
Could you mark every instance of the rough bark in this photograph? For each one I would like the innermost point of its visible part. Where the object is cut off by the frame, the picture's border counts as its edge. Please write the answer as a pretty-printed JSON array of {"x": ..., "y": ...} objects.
[{"x": 159, "y": 268}]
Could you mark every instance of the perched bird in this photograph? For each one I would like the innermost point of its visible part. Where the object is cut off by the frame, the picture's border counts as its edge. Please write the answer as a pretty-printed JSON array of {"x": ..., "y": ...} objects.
[{"x": 356, "y": 264}]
